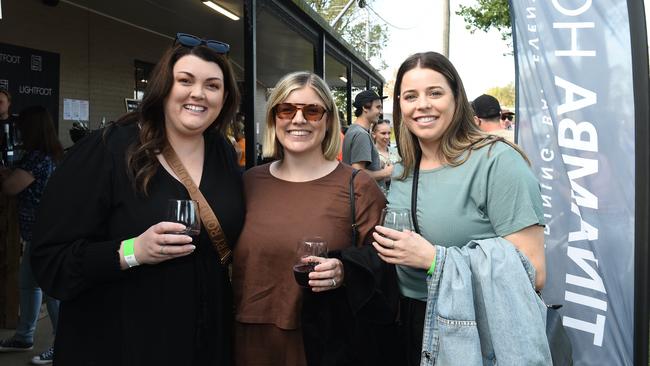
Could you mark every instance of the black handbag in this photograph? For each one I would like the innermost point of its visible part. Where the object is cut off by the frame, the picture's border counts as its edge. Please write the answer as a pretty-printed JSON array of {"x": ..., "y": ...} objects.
[{"x": 558, "y": 340}]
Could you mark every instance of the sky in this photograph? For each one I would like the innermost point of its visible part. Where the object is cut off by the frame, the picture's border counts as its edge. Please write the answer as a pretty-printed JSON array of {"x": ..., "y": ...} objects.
[{"x": 479, "y": 57}]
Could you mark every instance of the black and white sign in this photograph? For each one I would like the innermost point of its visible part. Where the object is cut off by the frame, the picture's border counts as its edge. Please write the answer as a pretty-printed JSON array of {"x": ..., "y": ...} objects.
[
  {"x": 32, "y": 78},
  {"x": 576, "y": 121}
]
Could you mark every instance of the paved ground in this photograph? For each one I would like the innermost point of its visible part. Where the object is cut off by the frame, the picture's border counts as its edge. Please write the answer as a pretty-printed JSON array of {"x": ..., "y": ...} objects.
[{"x": 43, "y": 339}]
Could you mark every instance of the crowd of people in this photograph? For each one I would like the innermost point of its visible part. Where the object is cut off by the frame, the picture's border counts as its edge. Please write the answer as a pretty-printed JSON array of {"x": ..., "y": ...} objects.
[{"x": 137, "y": 289}]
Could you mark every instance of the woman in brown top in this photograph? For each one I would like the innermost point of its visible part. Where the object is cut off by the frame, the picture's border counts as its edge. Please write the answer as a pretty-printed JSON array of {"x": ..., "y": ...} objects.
[{"x": 306, "y": 193}]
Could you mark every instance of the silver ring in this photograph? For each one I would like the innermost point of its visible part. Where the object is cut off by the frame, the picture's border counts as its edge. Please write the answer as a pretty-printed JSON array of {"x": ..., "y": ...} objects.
[{"x": 333, "y": 282}]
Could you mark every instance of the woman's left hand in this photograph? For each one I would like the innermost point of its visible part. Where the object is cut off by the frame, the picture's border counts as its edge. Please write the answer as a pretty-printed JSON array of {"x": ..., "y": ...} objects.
[
  {"x": 327, "y": 275},
  {"x": 405, "y": 248}
]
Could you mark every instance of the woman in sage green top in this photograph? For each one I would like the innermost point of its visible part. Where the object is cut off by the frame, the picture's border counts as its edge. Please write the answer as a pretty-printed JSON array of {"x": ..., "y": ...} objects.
[{"x": 469, "y": 185}]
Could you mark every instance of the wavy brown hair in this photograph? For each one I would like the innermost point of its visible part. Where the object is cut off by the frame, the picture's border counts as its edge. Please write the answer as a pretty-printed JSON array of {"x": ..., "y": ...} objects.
[
  {"x": 461, "y": 136},
  {"x": 141, "y": 158}
]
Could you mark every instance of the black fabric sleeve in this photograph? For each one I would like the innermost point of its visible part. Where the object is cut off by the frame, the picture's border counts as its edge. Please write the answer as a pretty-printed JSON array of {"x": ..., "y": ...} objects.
[{"x": 70, "y": 252}]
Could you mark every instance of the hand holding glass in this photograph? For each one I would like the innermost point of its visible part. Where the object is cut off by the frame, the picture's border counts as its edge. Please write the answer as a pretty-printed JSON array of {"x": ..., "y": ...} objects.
[
  {"x": 185, "y": 212},
  {"x": 396, "y": 218},
  {"x": 309, "y": 247}
]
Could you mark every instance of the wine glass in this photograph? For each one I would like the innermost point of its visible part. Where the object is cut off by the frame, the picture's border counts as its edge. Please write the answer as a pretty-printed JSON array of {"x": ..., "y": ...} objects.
[
  {"x": 396, "y": 218},
  {"x": 184, "y": 212},
  {"x": 308, "y": 247}
]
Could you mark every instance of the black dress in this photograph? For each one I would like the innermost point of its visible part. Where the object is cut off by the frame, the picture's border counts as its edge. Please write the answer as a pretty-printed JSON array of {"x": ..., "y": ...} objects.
[{"x": 178, "y": 312}]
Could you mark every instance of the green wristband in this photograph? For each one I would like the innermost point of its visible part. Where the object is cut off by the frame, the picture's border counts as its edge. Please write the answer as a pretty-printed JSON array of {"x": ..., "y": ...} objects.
[
  {"x": 128, "y": 246},
  {"x": 129, "y": 255},
  {"x": 432, "y": 268}
]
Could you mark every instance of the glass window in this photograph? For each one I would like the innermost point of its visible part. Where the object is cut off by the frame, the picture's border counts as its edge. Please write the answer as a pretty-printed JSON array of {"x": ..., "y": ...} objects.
[
  {"x": 359, "y": 84},
  {"x": 336, "y": 78},
  {"x": 375, "y": 87},
  {"x": 280, "y": 49},
  {"x": 142, "y": 72}
]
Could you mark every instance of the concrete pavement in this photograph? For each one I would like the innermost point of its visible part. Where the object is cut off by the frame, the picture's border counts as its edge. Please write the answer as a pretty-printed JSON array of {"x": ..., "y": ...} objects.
[{"x": 42, "y": 340}]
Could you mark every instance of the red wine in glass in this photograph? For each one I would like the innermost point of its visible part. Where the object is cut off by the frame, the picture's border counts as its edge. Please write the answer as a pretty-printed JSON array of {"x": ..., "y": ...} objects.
[
  {"x": 301, "y": 273},
  {"x": 308, "y": 247}
]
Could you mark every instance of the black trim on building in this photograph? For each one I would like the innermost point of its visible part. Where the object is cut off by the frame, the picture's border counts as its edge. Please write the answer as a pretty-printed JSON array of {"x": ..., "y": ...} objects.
[{"x": 250, "y": 79}]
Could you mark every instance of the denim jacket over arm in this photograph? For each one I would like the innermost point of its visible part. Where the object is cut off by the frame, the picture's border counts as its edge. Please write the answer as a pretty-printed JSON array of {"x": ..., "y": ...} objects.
[{"x": 482, "y": 308}]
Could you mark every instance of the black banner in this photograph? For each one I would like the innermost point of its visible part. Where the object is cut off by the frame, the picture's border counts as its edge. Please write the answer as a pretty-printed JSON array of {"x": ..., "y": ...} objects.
[{"x": 32, "y": 78}]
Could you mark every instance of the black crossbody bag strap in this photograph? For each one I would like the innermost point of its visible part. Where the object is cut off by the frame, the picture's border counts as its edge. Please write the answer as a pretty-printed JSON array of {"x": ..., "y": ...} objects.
[
  {"x": 414, "y": 193},
  {"x": 353, "y": 213}
]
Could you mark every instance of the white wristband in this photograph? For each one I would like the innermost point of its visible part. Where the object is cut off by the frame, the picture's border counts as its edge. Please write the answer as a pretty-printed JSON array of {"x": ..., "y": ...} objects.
[{"x": 131, "y": 261}]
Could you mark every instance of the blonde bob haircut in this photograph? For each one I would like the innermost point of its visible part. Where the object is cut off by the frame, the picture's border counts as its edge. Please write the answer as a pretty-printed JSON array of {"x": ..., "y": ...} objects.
[{"x": 331, "y": 143}]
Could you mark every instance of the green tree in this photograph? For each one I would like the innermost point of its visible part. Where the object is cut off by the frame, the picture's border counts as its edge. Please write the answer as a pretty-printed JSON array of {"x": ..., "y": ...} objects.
[
  {"x": 488, "y": 14},
  {"x": 504, "y": 94},
  {"x": 352, "y": 27}
]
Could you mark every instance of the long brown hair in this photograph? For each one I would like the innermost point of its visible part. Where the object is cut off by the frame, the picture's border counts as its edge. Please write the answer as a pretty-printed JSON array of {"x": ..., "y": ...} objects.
[
  {"x": 152, "y": 139},
  {"x": 37, "y": 132},
  {"x": 461, "y": 136}
]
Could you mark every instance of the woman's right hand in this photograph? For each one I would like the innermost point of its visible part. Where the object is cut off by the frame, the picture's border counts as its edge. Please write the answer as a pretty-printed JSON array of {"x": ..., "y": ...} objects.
[
  {"x": 406, "y": 248},
  {"x": 157, "y": 244}
]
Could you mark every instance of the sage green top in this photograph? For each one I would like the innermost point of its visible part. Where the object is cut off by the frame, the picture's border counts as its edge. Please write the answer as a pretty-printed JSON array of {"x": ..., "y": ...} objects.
[{"x": 494, "y": 193}]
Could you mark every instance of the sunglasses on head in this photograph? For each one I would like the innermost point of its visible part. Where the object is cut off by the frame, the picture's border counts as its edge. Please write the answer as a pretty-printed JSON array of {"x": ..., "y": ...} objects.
[
  {"x": 189, "y": 40},
  {"x": 311, "y": 112}
]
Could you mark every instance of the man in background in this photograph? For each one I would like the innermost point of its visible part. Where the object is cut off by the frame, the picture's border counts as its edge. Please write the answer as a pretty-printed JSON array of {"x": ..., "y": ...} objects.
[
  {"x": 359, "y": 150},
  {"x": 487, "y": 116},
  {"x": 507, "y": 120}
]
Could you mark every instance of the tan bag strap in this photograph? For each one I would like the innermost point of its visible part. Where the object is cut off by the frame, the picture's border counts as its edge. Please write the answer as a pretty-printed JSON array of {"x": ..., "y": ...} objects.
[{"x": 209, "y": 219}]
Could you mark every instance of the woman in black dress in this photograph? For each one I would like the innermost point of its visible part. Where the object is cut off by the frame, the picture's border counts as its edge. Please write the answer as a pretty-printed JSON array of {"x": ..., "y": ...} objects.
[{"x": 172, "y": 303}]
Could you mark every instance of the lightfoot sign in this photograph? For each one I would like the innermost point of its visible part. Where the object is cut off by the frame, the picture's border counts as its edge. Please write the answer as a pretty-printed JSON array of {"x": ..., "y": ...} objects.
[{"x": 576, "y": 121}]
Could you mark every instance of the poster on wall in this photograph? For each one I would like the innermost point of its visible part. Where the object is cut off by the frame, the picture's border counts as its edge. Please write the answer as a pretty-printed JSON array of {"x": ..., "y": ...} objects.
[
  {"x": 576, "y": 122},
  {"x": 32, "y": 78},
  {"x": 75, "y": 110}
]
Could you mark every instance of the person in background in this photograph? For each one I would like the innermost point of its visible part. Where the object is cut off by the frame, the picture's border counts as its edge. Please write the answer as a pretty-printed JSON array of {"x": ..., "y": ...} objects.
[
  {"x": 27, "y": 181},
  {"x": 134, "y": 290},
  {"x": 7, "y": 124},
  {"x": 344, "y": 124},
  {"x": 388, "y": 155},
  {"x": 5, "y": 104},
  {"x": 358, "y": 149},
  {"x": 487, "y": 116},
  {"x": 507, "y": 119},
  {"x": 240, "y": 139},
  {"x": 277, "y": 322},
  {"x": 468, "y": 186}
]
